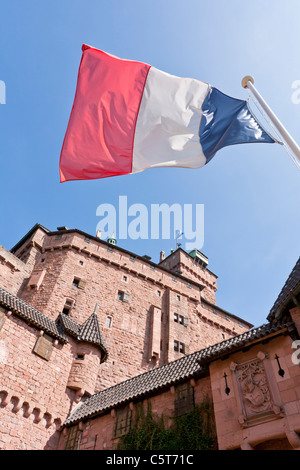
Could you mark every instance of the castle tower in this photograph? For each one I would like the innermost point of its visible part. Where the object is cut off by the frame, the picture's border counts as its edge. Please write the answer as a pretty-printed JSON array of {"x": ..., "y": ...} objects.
[
  {"x": 149, "y": 313},
  {"x": 88, "y": 353}
]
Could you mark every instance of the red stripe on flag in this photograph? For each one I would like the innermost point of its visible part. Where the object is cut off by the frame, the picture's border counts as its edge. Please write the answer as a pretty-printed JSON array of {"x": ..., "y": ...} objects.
[{"x": 100, "y": 133}]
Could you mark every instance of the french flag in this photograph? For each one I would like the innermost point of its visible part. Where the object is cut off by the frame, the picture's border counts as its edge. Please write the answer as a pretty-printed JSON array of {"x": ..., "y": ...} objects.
[{"x": 128, "y": 116}]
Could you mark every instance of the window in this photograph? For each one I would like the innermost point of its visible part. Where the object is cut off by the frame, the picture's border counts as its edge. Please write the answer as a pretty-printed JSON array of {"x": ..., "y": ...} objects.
[
  {"x": 120, "y": 295},
  {"x": 181, "y": 319},
  {"x": 179, "y": 347},
  {"x": 108, "y": 322},
  {"x": 73, "y": 438},
  {"x": 123, "y": 296},
  {"x": 122, "y": 421},
  {"x": 79, "y": 283},
  {"x": 67, "y": 307},
  {"x": 80, "y": 357},
  {"x": 124, "y": 278},
  {"x": 178, "y": 298},
  {"x": 44, "y": 346},
  {"x": 158, "y": 293},
  {"x": 184, "y": 399}
]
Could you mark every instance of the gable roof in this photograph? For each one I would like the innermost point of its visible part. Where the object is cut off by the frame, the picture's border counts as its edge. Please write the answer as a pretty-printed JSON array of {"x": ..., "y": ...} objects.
[
  {"x": 149, "y": 383},
  {"x": 89, "y": 331}
]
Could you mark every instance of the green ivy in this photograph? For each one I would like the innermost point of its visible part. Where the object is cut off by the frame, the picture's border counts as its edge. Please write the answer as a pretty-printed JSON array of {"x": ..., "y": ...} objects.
[{"x": 192, "y": 431}]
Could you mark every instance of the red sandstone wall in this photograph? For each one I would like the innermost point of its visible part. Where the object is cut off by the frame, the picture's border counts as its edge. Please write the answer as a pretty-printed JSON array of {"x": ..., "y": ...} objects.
[
  {"x": 13, "y": 271},
  {"x": 56, "y": 259},
  {"x": 33, "y": 397},
  {"x": 270, "y": 431},
  {"x": 97, "y": 433},
  {"x": 184, "y": 263}
]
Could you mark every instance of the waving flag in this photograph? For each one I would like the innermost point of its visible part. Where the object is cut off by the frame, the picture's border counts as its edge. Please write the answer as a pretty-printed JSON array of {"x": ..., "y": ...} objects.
[{"x": 128, "y": 116}]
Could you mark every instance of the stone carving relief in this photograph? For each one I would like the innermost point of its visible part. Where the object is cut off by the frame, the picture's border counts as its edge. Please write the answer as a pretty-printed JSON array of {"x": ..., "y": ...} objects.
[
  {"x": 255, "y": 393},
  {"x": 254, "y": 387}
]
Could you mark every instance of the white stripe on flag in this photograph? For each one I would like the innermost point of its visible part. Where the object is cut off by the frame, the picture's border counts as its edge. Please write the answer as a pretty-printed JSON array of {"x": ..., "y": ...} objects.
[{"x": 167, "y": 128}]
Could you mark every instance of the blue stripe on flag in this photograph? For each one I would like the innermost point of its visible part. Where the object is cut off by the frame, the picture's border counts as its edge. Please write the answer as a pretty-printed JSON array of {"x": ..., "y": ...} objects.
[{"x": 228, "y": 121}]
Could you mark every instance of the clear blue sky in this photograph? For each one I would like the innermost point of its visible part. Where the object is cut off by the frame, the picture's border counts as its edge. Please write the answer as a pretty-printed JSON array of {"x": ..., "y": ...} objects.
[{"x": 250, "y": 192}]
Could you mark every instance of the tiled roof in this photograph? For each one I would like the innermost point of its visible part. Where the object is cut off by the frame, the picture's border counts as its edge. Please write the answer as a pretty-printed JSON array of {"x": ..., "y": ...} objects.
[
  {"x": 70, "y": 326},
  {"x": 156, "y": 379},
  {"x": 292, "y": 285},
  {"x": 31, "y": 315},
  {"x": 89, "y": 331}
]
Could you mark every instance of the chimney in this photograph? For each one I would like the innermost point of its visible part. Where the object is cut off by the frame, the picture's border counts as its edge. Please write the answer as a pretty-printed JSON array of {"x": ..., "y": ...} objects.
[
  {"x": 162, "y": 256},
  {"x": 99, "y": 233}
]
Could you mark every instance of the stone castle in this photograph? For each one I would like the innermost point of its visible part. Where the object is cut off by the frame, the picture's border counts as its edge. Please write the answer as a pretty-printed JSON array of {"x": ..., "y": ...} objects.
[{"x": 89, "y": 331}]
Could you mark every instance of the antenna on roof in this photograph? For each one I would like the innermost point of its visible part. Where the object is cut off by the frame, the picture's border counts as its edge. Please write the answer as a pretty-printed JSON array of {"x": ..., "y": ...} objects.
[{"x": 178, "y": 235}]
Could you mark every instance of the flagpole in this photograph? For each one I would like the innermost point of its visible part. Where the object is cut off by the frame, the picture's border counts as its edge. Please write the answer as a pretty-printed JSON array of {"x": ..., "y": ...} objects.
[{"x": 248, "y": 82}]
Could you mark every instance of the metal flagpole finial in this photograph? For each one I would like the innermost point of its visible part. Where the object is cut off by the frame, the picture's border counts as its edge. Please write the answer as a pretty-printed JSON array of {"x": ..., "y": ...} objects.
[
  {"x": 293, "y": 148},
  {"x": 247, "y": 79}
]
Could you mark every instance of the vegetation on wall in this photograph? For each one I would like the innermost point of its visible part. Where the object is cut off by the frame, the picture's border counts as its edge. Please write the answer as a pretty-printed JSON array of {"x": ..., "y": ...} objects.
[{"x": 192, "y": 431}]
